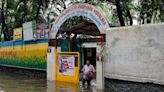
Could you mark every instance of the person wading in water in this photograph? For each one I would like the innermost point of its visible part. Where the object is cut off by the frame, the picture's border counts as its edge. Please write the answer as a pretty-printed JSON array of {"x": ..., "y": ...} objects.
[{"x": 88, "y": 72}]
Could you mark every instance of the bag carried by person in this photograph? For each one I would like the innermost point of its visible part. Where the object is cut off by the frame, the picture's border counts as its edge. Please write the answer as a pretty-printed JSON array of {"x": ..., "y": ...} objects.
[{"x": 89, "y": 76}]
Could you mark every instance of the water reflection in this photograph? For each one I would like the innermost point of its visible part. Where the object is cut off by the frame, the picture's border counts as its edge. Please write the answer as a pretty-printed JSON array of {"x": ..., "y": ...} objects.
[
  {"x": 62, "y": 87},
  {"x": 18, "y": 83},
  {"x": 68, "y": 87}
]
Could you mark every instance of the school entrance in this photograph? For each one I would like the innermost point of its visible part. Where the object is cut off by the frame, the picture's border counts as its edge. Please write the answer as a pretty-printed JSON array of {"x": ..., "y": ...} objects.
[{"x": 72, "y": 43}]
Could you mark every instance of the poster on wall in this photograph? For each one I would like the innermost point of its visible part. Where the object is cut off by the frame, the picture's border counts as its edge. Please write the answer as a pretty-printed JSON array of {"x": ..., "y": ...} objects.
[
  {"x": 66, "y": 65},
  {"x": 42, "y": 31},
  {"x": 17, "y": 34},
  {"x": 29, "y": 32}
]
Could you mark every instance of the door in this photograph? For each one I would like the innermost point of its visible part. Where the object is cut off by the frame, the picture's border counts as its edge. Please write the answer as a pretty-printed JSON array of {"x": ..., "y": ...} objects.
[{"x": 90, "y": 54}]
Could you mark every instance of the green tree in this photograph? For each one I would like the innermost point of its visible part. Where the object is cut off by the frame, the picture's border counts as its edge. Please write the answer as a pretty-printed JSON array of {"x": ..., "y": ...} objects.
[
  {"x": 123, "y": 9},
  {"x": 4, "y": 11},
  {"x": 151, "y": 11},
  {"x": 16, "y": 12}
]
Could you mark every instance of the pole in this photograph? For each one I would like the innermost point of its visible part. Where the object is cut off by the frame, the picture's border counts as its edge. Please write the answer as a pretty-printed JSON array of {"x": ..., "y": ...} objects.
[{"x": 69, "y": 42}]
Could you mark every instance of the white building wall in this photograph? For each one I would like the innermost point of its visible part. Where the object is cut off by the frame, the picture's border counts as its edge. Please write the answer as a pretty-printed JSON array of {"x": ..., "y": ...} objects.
[{"x": 135, "y": 53}]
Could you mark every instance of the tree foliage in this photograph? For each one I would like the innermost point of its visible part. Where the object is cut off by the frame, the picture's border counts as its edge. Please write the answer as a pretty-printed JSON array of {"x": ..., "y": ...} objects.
[
  {"x": 151, "y": 11},
  {"x": 13, "y": 13},
  {"x": 16, "y": 12}
]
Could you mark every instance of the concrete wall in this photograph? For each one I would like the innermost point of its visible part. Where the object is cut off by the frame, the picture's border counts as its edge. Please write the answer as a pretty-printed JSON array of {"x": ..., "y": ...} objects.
[
  {"x": 135, "y": 53},
  {"x": 20, "y": 54}
]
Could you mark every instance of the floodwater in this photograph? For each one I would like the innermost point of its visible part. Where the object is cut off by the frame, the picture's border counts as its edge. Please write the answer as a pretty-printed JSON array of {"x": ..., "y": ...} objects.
[{"x": 10, "y": 82}]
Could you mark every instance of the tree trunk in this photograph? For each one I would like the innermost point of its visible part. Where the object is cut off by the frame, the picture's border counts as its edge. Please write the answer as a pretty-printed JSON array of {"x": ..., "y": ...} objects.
[
  {"x": 86, "y": 1},
  {"x": 64, "y": 4},
  {"x": 128, "y": 13},
  {"x": 38, "y": 10},
  {"x": 119, "y": 13},
  {"x": 46, "y": 2},
  {"x": 4, "y": 26}
]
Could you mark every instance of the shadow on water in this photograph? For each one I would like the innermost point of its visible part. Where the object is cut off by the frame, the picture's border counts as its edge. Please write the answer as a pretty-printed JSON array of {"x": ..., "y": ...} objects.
[{"x": 10, "y": 82}]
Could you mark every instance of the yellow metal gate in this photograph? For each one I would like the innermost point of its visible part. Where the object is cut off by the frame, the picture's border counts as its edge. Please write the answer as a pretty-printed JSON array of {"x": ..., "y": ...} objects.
[{"x": 67, "y": 67}]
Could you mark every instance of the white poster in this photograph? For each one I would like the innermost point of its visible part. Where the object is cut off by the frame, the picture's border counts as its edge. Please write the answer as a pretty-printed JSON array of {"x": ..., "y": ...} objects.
[
  {"x": 29, "y": 31},
  {"x": 66, "y": 65}
]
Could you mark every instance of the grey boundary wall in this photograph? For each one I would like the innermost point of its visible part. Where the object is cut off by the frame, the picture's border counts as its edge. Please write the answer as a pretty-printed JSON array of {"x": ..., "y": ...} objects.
[{"x": 135, "y": 53}]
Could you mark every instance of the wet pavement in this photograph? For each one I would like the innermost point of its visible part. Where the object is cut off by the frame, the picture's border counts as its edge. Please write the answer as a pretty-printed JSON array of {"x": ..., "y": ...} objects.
[
  {"x": 12, "y": 82},
  {"x": 113, "y": 85}
]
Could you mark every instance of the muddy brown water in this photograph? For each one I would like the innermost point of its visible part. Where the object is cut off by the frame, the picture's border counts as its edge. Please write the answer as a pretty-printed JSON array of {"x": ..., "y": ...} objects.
[{"x": 12, "y": 82}]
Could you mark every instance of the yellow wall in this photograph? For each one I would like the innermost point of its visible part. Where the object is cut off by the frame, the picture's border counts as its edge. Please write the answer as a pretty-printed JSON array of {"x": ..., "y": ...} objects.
[{"x": 28, "y": 56}]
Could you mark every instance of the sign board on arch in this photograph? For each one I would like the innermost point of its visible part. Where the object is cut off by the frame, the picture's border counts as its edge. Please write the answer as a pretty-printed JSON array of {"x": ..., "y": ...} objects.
[{"x": 86, "y": 10}]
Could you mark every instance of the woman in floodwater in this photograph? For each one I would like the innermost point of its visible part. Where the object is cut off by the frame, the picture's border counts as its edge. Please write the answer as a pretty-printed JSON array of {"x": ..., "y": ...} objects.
[{"x": 88, "y": 72}]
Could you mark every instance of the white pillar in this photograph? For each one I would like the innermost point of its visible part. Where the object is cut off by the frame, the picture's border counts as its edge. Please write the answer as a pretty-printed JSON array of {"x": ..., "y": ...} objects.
[
  {"x": 51, "y": 86},
  {"x": 99, "y": 75},
  {"x": 99, "y": 71},
  {"x": 51, "y": 64}
]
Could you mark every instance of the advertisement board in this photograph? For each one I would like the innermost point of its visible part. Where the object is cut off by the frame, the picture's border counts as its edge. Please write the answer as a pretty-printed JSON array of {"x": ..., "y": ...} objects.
[
  {"x": 17, "y": 34},
  {"x": 42, "y": 31},
  {"x": 66, "y": 65},
  {"x": 29, "y": 32}
]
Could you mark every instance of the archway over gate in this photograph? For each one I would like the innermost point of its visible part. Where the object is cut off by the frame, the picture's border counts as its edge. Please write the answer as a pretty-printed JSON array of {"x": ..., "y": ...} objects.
[
  {"x": 92, "y": 13},
  {"x": 89, "y": 11}
]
